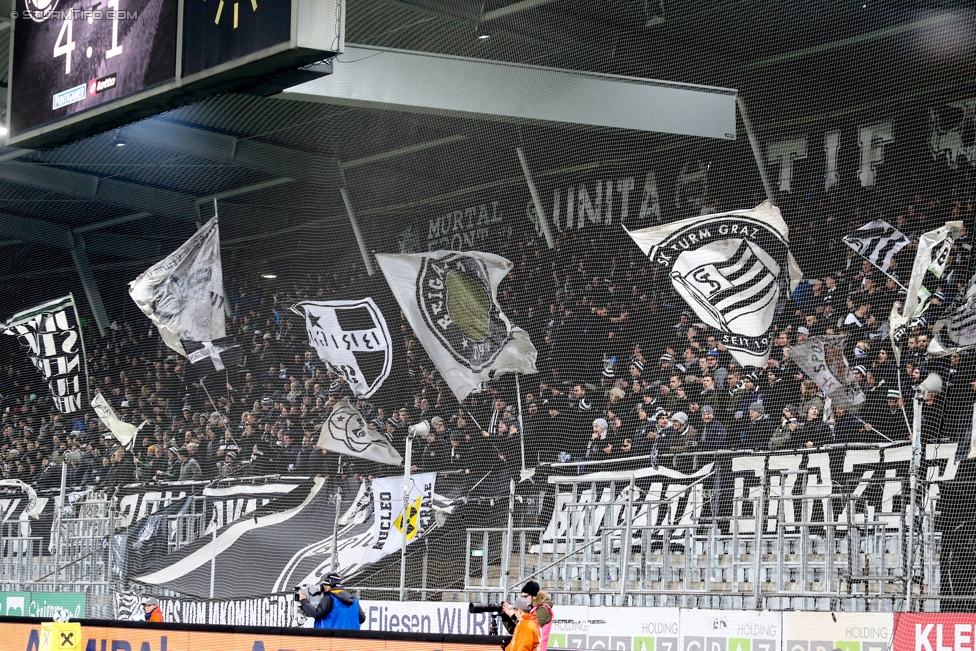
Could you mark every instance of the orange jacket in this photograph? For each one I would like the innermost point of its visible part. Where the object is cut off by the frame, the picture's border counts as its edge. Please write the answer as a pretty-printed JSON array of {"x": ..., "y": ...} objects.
[
  {"x": 156, "y": 615},
  {"x": 527, "y": 635}
]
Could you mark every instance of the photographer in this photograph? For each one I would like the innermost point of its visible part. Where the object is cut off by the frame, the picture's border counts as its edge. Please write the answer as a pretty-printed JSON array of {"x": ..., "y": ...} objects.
[
  {"x": 337, "y": 609},
  {"x": 540, "y": 609},
  {"x": 527, "y": 636}
]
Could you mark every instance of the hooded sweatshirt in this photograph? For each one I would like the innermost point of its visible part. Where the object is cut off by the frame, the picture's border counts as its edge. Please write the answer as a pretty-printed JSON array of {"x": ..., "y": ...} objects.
[{"x": 527, "y": 635}]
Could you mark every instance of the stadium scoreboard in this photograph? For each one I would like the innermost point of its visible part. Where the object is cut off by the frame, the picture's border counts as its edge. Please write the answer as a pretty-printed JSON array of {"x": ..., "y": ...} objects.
[{"x": 81, "y": 67}]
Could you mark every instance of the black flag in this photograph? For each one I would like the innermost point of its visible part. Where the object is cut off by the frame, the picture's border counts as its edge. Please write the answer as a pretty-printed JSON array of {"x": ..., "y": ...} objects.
[{"x": 209, "y": 357}]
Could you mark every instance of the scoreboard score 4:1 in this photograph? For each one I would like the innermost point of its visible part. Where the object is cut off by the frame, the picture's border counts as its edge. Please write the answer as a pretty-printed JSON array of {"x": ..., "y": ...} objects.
[{"x": 73, "y": 55}]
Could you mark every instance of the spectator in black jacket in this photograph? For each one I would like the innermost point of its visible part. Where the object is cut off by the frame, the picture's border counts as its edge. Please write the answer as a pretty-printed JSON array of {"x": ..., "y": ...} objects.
[
  {"x": 122, "y": 471},
  {"x": 712, "y": 434},
  {"x": 758, "y": 430},
  {"x": 813, "y": 432}
]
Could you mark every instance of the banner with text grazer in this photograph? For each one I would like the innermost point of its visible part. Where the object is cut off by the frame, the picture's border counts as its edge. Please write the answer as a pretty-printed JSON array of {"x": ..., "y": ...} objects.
[{"x": 668, "y": 497}]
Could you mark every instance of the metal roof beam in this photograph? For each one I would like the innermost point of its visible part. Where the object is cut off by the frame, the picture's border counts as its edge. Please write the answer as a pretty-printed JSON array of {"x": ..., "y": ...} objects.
[
  {"x": 84, "y": 269},
  {"x": 514, "y": 8},
  {"x": 25, "y": 229},
  {"x": 273, "y": 159},
  {"x": 36, "y": 230},
  {"x": 106, "y": 190}
]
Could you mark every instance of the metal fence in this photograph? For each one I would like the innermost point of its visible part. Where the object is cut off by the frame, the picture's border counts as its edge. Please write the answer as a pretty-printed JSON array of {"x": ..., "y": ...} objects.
[
  {"x": 801, "y": 550},
  {"x": 78, "y": 555}
]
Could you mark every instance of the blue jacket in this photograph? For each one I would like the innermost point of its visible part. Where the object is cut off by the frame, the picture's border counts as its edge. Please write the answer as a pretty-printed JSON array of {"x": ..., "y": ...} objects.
[{"x": 337, "y": 610}]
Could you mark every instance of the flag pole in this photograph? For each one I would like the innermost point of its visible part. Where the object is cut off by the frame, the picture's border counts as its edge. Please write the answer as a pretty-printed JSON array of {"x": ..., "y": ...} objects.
[
  {"x": 335, "y": 528},
  {"x": 404, "y": 515},
  {"x": 212, "y": 403},
  {"x": 213, "y": 553},
  {"x": 524, "y": 474}
]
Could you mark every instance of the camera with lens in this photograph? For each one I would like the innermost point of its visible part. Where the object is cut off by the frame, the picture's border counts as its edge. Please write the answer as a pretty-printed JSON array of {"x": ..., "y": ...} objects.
[
  {"x": 312, "y": 590},
  {"x": 492, "y": 610}
]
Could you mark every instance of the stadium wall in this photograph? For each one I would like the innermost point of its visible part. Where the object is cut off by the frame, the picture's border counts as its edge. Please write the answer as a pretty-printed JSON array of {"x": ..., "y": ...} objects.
[{"x": 397, "y": 625}]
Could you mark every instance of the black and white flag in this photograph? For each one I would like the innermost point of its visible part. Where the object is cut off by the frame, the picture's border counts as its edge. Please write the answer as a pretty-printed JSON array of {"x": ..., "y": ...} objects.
[
  {"x": 957, "y": 331},
  {"x": 732, "y": 269},
  {"x": 51, "y": 335},
  {"x": 183, "y": 294},
  {"x": 353, "y": 338},
  {"x": 822, "y": 359},
  {"x": 125, "y": 433},
  {"x": 282, "y": 544},
  {"x": 878, "y": 242},
  {"x": 345, "y": 432},
  {"x": 449, "y": 298},
  {"x": 33, "y": 508},
  {"x": 209, "y": 357},
  {"x": 932, "y": 258}
]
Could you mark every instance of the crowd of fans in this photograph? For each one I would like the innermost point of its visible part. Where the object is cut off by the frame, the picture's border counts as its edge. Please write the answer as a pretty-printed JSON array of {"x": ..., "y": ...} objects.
[{"x": 625, "y": 369}]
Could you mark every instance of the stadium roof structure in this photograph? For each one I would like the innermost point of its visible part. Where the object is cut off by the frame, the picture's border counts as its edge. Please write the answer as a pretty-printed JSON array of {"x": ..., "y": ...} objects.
[{"x": 93, "y": 213}]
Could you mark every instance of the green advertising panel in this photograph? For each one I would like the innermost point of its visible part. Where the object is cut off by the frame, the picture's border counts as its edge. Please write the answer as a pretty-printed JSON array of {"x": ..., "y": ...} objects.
[{"x": 41, "y": 604}]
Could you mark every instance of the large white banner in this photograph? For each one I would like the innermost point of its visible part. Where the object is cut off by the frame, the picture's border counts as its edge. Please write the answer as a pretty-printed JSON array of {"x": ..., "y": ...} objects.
[
  {"x": 449, "y": 298},
  {"x": 822, "y": 358},
  {"x": 957, "y": 330},
  {"x": 345, "y": 432},
  {"x": 124, "y": 432},
  {"x": 732, "y": 269},
  {"x": 391, "y": 525},
  {"x": 183, "y": 294}
]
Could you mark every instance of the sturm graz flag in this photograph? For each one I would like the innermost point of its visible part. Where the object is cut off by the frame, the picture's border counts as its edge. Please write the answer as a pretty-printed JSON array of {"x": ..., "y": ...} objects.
[
  {"x": 957, "y": 331},
  {"x": 732, "y": 269},
  {"x": 353, "y": 338},
  {"x": 449, "y": 298}
]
